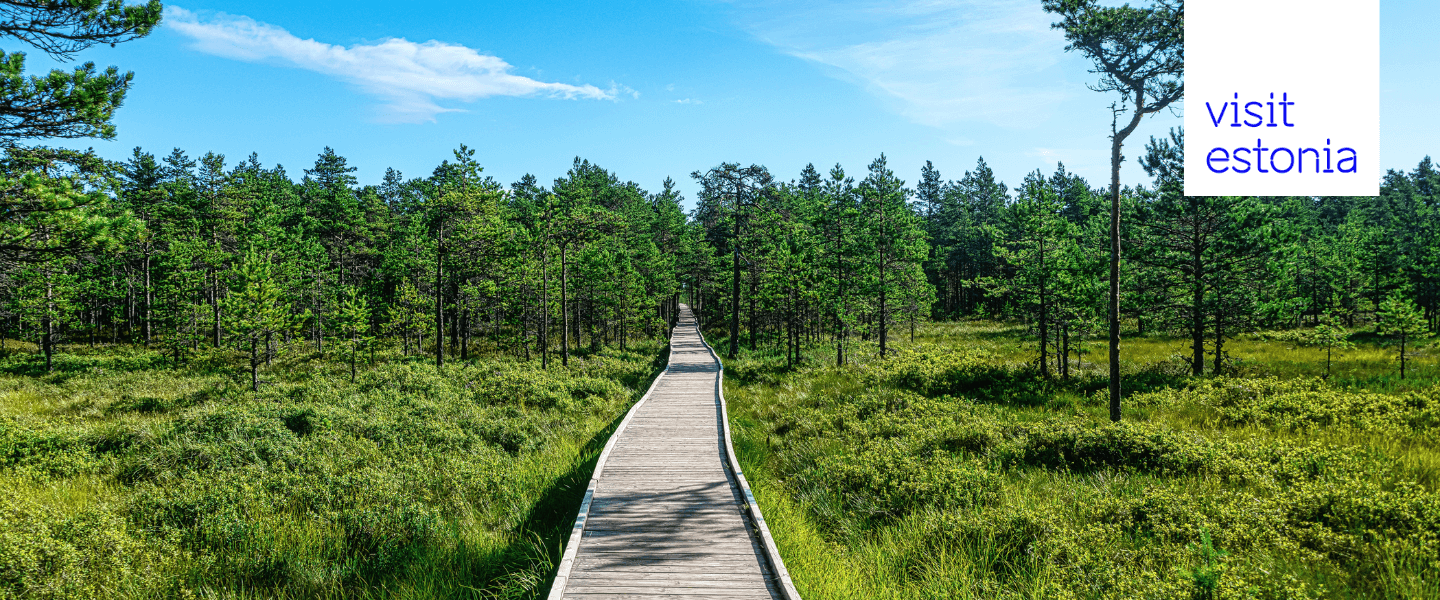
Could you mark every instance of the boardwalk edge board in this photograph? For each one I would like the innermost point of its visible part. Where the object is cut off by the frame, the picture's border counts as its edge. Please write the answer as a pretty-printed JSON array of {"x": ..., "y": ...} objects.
[
  {"x": 772, "y": 552},
  {"x": 572, "y": 545}
]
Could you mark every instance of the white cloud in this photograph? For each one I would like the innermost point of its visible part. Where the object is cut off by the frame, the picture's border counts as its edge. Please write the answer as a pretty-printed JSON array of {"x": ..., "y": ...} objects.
[
  {"x": 620, "y": 88},
  {"x": 411, "y": 77},
  {"x": 687, "y": 101},
  {"x": 939, "y": 62}
]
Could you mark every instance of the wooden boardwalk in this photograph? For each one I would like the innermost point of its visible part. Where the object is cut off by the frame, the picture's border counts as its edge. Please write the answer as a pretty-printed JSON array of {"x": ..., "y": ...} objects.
[{"x": 668, "y": 513}]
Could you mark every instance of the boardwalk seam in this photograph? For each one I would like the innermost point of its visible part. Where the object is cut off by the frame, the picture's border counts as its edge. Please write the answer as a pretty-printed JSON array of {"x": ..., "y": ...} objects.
[
  {"x": 772, "y": 552},
  {"x": 572, "y": 546}
]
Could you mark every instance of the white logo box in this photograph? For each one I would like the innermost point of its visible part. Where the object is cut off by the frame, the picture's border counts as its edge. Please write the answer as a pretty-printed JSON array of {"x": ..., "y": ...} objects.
[{"x": 1282, "y": 98}]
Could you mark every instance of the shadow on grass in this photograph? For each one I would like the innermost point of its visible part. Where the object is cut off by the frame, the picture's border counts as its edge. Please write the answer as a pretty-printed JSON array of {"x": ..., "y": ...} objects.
[{"x": 526, "y": 567}]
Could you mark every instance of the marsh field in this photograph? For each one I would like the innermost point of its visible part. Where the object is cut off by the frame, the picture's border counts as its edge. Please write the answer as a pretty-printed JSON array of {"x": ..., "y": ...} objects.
[
  {"x": 952, "y": 470},
  {"x": 948, "y": 470},
  {"x": 123, "y": 475}
]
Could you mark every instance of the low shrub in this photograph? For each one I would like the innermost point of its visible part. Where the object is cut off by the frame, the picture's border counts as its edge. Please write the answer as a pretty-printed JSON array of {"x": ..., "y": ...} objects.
[
  {"x": 91, "y": 553},
  {"x": 1302, "y": 404},
  {"x": 927, "y": 485},
  {"x": 410, "y": 482},
  {"x": 887, "y": 480}
]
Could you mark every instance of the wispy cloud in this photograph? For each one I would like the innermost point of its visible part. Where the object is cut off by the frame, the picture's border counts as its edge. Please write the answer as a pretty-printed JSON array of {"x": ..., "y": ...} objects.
[
  {"x": 411, "y": 78},
  {"x": 687, "y": 101},
  {"x": 620, "y": 88},
  {"x": 939, "y": 62}
]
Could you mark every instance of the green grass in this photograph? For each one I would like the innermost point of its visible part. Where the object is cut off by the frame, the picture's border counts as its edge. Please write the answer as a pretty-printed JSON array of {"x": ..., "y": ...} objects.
[
  {"x": 952, "y": 471},
  {"x": 124, "y": 476},
  {"x": 1373, "y": 364}
]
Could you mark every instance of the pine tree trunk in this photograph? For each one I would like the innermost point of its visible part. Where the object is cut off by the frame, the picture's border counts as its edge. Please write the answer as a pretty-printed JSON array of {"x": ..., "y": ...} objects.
[
  {"x": 544, "y": 333},
  {"x": 1402, "y": 356},
  {"x": 1328, "y": 349},
  {"x": 790, "y": 332},
  {"x": 47, "y": 327},
  {"x": 439, "y": 300},
  {"x": 1114, "y": 315},
  {"x": 1044, "y": 316},
  {"x": 454, "y": 320},
  {"x": 735, "y": 293},
  {"x": 149, "y": 298},
  {"x": 254, "y": 366},
  {"x": 1065, "y": 351},
  {"x": 884, "y": 315},
  {"x": 315, "y": 327},
  {"x": 215, "y": 305},
  {"x": 564, "y": 314},
  {"x": 754, "y": 329},
  {"x": 1197, "y": 316},
  {"x": 1219, "y": 342}
]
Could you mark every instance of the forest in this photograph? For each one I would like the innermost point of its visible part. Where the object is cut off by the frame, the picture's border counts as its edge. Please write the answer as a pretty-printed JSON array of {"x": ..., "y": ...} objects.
[
  {"x": 193, "y": 253},
  {"x": 820, "y": 260},
  {"x": 224, "y": 379},
  {"x": 177, "y": 254}
]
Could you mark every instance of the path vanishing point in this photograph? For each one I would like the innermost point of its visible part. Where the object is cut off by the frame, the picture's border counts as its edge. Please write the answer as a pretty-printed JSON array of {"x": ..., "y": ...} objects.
[{"x": 668, "y": 513}]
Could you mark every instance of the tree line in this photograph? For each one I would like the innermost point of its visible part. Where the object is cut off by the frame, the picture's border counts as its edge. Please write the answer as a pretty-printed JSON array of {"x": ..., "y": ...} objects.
[
  {"x": 182, "y": 253},
  {"x": 829, "y": 259},
  {"x": 185, "y": 253}
]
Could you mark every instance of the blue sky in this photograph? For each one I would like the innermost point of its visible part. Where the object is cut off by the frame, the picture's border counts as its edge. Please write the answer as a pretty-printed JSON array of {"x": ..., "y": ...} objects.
[{"x": 656, "y": 89}]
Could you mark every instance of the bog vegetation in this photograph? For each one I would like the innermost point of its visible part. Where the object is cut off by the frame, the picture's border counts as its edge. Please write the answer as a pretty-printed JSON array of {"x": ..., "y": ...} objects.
[
  {"x": 126, "y": 475},
  {"x": 954, "y": 470},
  {"x": 221, "y": 379}
]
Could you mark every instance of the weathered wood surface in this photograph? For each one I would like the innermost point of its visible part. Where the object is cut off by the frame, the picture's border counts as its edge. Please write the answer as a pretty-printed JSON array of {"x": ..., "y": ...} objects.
[{"x": 667, "y": 517}]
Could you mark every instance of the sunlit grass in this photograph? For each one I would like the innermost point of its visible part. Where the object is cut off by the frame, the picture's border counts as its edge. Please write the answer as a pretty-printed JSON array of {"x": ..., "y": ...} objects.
[
  {"x": 1059, "y": 533},
  {"x": 142, "y": 478},
  {"x": 1373, "y": 362}
]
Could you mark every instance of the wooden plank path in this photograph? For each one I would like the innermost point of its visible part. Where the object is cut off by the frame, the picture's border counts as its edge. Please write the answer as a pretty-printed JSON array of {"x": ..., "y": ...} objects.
[{"x": 668, "y": 513}]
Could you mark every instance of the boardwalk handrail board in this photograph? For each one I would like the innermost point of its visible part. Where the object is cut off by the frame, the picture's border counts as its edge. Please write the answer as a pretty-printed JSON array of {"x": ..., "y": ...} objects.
[{"x": 668, "y": 511}]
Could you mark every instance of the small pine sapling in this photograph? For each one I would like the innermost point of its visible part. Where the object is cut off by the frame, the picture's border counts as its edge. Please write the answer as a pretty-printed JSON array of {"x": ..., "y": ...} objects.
[
  {"x": 256, "y": 309},
  {"x": 354, "y": 321},
  {"x": 1399, "y": 317},
  {"x": 1331, "y": 335}
]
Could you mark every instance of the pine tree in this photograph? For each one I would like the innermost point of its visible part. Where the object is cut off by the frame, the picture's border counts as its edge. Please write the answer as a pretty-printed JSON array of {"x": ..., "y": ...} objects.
[
  {"x": 1330, "y": 334},
  {"x": 839, "y": 227},
  {"x": 454, "y": 194},
  {"x": 731, "y": 193},
  {"x": 894, "y": 239},
  {"x": 353, "y": 320},
  {"x": 408, "y": 317},
  {"x": 1140, "y": 53},
  {"x": 80, "y": 103},
  {"x": 1034, "y": 239},
  {"x": 1399, "y": 317},
  {"x": 256, "y": 309},
  {"x": 46, "y": 300}
]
